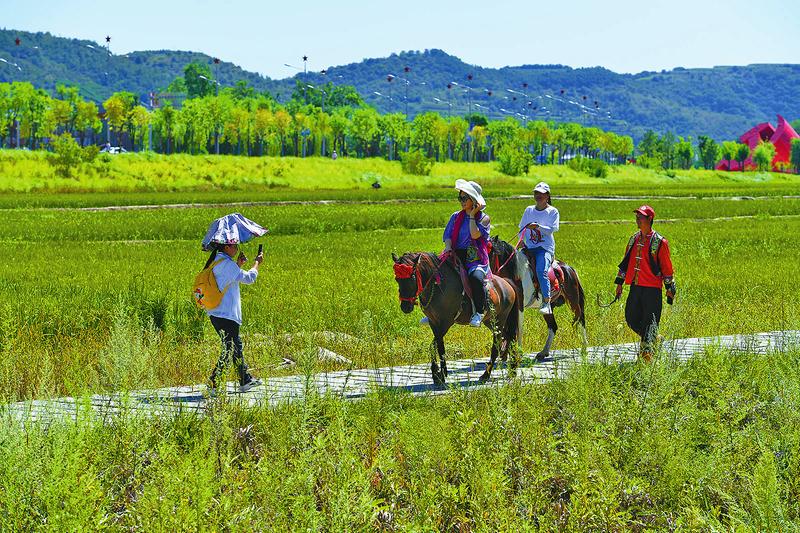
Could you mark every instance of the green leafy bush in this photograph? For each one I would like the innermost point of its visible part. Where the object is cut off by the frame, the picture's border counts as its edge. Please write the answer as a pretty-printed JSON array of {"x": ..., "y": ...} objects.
[
  {"x": 66, "y": 156},
  {"x": 591, "y": 167},
  {"x": 89, "y": 153},
  {"x": 514, "y": 160},
  {"x": 415, "y": 162}
]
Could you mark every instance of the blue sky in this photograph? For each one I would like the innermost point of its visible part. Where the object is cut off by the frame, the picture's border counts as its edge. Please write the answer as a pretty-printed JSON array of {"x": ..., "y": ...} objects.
[{"x": 261, "y": 36}]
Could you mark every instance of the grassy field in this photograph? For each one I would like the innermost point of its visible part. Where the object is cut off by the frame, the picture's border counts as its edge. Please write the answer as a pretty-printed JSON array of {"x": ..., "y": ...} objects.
[
  {"x": 711, "y": 445},
  {"x": 28, "y": 180},
  {"x": 86, "y": 274},
  {"x": 98, "y": 301}
]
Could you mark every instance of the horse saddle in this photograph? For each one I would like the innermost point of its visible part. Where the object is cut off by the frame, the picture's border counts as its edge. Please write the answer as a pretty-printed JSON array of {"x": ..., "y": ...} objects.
[
  {"x": 464, "y": 275},
  {"x": 555, "y": 274}
]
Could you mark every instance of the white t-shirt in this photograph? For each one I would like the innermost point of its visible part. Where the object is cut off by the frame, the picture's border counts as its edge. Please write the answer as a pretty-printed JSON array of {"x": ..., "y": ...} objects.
[
  {"x": 229, "y": 274},
  {"x": 548, "y": 220}
]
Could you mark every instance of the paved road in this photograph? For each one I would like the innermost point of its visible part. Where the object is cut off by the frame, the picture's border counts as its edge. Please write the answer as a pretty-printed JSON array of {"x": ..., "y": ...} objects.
[{"x": 353, "y": 384}]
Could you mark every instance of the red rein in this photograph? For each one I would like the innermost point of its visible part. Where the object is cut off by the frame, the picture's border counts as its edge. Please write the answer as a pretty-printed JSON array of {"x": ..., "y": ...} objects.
[{"x": 402, "y": 271}]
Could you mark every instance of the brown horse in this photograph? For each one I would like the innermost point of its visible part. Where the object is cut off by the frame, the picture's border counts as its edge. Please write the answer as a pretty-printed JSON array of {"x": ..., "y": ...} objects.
[
  {"x": 518, "y": 270},
  {"x": 438, "y": 287}
]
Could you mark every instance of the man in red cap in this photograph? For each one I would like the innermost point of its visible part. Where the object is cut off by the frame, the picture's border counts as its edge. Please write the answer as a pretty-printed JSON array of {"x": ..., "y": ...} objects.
[{"x": 646, "y": 267}]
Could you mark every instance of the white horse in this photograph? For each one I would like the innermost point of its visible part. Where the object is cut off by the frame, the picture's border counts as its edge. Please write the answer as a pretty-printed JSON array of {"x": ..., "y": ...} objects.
[{"x": 569, "y": 289}]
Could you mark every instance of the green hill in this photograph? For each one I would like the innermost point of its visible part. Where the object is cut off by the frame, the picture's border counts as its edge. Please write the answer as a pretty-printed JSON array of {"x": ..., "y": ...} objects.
[{"x": 722, "y": 101}]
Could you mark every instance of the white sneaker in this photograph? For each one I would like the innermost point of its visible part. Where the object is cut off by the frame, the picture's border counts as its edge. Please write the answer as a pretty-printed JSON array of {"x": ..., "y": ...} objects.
[
  {"x": 545, "y": 309},
  {"x": 476, "y": 320},
  {"x": 424, "y": 321},
  {"x": 254, "y": 382}
]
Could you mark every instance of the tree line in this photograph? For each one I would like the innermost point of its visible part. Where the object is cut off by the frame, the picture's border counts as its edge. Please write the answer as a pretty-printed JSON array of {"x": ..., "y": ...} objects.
[{"x": 197, "y": 116}]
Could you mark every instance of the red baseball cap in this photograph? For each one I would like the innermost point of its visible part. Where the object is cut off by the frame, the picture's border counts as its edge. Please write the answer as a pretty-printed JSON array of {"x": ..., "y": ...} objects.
[{"x": 646, "y": 211}]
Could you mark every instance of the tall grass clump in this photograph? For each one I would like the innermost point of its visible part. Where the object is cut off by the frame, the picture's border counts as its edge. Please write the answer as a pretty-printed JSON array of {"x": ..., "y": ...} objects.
[
  {"x": 708, "y": 444},
  {"x": 126, "y": 362}
]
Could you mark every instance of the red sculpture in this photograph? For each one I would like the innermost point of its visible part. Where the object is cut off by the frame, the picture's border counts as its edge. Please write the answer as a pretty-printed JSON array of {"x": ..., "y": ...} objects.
[{"x": 781, "y": 137}]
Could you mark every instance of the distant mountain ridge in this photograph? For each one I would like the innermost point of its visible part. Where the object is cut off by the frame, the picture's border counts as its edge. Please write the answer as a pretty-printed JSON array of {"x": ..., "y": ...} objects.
[{"x": 722, "y": 101}]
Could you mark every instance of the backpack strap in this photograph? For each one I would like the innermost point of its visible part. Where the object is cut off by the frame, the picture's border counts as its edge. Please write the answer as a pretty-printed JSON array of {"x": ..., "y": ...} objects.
[
  {"x": 623, "y": 265},
  {"x": 215, "y": 263},
  {"x": 655, "y": 245}
]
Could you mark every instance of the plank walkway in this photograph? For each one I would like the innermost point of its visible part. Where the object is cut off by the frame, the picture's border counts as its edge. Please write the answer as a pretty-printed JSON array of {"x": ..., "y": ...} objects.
[{"x": 355, "y": 383}]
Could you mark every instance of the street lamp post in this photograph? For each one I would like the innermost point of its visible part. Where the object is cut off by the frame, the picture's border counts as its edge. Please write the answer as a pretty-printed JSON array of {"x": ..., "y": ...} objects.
[
  {"x": 406, "y": 70},
  {"x": 391, "y": 77},
  {"x": 216, "y": 76},
  {"x": 305, "y": 77},
  {"x": 469, "y": 93},
  {"x": 324, "y": 94},
  {"x": 216, "y": 126}
]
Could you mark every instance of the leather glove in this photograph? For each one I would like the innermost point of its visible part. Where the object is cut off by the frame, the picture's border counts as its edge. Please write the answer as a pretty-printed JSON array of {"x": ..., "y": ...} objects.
[{"x": 618, "y": 291}]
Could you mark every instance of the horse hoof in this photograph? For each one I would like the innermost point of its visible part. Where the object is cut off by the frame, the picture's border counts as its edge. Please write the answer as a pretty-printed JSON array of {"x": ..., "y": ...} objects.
[
  {"x": 484, "y": 377},
  {"x": 541, "y": 356}
]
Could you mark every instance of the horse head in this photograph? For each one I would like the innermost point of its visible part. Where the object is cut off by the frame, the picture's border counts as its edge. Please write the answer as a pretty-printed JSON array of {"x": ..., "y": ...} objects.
[
  {"x": 407, "y": 276},
  {"x": 500, "y": 258}
]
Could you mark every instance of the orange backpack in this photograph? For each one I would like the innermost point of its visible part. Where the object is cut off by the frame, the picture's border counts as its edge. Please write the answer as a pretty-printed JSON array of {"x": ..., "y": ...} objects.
[{"x": 206, "y": 291}]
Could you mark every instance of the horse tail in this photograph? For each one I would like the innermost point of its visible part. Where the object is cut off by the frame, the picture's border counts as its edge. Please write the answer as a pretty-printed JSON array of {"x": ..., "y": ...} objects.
[
  {"x": 579, "y": 306},
  {"x": 512, "y": 322},
  {"x": 581, "y": 302},
  {"x": 581, "y": 316}
]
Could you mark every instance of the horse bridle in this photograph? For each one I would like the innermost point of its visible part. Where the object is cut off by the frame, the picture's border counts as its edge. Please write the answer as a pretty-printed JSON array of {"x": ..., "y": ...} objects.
[{"x": 403, "y": 271}]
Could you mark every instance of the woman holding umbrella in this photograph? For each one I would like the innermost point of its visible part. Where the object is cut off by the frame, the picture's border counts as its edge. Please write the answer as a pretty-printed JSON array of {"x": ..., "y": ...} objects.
[{"x": 223, "y": 239}]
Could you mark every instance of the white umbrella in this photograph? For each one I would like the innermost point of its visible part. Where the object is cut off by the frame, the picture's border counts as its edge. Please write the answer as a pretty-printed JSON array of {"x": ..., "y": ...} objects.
[{"x": 231, "y": 229}]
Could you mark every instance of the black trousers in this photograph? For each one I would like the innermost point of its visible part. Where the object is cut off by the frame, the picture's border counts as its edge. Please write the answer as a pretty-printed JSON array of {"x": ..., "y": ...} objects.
[
  {"x": 643, "y": 312},
  {"x": 228, "y": 332},
  {"x": 476, "y": 283}
]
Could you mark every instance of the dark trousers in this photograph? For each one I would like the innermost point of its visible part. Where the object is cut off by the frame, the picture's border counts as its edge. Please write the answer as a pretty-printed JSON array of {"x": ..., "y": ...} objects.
[
  {"x": 476, "y": 283},
  {"x": 643, "y": 312},
  {"x": 228, "y": 332}
]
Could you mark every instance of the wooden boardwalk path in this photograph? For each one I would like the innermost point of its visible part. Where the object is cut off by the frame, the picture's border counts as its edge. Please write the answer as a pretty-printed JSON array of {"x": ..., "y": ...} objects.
[{"x": 355, "y": 383}]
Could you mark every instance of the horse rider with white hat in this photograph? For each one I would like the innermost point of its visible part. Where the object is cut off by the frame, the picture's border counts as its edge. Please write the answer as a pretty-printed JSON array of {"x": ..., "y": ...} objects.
[{"x": 467, "y": 235}]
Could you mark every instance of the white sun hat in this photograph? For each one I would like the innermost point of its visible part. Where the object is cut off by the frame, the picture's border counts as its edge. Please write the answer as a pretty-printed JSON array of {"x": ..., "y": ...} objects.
[
  {"x": 472, "y": 189},
  {"x": 542, "y": 187}
]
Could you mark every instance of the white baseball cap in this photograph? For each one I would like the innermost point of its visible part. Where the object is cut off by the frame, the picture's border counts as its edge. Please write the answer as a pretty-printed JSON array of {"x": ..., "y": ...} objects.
[{"x": 542, "y": 187}]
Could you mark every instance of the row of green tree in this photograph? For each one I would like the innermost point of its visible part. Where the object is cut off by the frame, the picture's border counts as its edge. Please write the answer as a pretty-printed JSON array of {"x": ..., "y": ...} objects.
[
  {"x": 319, "y": 120},
  {"x": 669, "y": 151},
  {"x": 316, "y": 121}
]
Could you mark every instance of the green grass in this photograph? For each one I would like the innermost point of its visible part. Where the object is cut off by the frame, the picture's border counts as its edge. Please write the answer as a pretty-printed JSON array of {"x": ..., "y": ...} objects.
[
  {"x": 328, "y": 268},
  {"x": 27, "y": 180},
  {"x": 710, "y": 445},
  {"x": 99, "y": 301}
]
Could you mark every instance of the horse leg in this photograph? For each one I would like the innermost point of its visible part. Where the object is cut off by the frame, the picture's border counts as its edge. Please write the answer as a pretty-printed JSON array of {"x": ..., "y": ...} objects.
[
  {"x": 552, "y": 327},
  {"x": 436, "y": 373},
  {"x": 510, "y": 334},
  {"x": 442, "y": 358},
  {"x": 488, "y": 372}
]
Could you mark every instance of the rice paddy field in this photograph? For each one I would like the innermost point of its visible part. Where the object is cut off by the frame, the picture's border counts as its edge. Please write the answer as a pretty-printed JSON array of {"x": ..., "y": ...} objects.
[{"x": 95, "y": 299}]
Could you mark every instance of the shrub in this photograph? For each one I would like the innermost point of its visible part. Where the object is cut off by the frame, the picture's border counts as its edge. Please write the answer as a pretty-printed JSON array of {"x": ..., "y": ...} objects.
[
  {"x": 595, "y": 168},
  {"x": 415, "y": 162},
  {"x": 514, "y": 161},
  {"x": 89, "y": 153},
  {"x": 66, "y": 156},
  {"x": 651, "y": 162}
]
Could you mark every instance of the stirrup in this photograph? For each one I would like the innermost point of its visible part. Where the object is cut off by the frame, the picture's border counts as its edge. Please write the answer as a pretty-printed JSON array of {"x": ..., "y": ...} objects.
[{"x": 424, "y": 321}]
